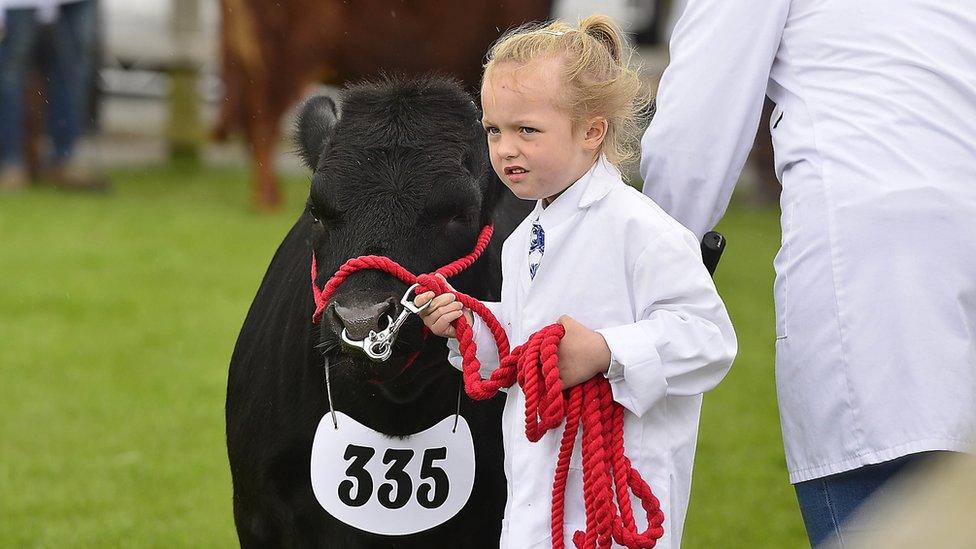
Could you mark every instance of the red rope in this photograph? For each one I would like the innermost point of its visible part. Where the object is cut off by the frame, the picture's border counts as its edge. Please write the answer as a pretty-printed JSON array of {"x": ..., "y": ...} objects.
[
  {"x": 607, "y": 472},
  {"x": 386, "y": 264}
]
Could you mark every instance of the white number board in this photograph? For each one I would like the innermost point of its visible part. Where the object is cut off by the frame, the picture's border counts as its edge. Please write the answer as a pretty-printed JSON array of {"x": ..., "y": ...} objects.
[{"x": 392, "y": 486}]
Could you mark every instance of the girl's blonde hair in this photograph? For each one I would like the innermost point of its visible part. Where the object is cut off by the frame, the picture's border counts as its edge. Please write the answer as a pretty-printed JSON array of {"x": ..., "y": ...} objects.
[{"x": 597, "y": 73}]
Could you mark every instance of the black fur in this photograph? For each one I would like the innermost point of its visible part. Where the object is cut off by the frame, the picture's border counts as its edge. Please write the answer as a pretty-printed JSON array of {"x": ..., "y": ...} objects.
[
  {"x": 403, "y": 173},
  {"x": 315, "y": 127}
]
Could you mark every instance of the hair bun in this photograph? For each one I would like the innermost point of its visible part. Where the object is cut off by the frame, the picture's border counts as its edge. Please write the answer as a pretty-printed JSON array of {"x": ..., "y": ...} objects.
[{"x": 605, "y": 31}]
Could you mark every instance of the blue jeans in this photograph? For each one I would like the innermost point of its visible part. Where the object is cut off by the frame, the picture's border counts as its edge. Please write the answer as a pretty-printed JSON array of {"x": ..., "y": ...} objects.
[
  {"x": 826, "y": 503},
  {"x": 71, "y": 44}
]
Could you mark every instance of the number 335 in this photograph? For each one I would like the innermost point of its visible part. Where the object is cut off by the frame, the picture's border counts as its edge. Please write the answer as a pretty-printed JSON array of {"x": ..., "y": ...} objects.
[{"x": 430, "y": 495}]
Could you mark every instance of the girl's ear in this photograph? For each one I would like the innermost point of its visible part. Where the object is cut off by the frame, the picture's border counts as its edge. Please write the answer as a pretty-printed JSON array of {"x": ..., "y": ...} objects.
[{"x": 595, "y": 132}]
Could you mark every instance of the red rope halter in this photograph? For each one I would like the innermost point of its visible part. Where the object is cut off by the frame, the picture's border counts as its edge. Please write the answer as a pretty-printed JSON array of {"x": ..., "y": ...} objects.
[{"x": 607, "y": 472}]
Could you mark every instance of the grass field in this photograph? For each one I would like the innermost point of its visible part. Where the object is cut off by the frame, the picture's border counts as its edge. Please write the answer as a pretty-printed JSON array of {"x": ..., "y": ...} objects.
[{"x": 118, "y": 315}]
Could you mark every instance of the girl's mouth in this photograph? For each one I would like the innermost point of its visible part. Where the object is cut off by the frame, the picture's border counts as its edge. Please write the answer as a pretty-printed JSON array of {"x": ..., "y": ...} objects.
[{"x": 515, "y": 173}]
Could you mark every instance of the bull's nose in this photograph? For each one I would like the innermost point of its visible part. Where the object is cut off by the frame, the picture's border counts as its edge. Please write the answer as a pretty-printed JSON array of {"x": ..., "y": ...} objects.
[{"x": 360, "y": 319}]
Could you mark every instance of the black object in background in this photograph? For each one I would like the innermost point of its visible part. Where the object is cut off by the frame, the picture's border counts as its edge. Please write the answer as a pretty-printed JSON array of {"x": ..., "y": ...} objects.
[{"x": 712, "y": 246}]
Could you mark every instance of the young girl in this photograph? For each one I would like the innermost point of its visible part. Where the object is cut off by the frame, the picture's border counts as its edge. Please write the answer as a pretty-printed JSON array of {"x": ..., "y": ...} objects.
[{"x": 561, "y": 110}]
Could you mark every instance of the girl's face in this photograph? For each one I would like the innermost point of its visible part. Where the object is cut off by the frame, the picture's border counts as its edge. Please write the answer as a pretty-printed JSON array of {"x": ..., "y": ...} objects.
[{"x": 533, "y": 145}]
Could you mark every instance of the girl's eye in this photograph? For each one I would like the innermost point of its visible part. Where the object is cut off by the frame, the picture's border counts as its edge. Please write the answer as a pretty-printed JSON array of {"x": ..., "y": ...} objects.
[
  {"x": 492, "y": 130},
  {"x": 527, "y": 130}
]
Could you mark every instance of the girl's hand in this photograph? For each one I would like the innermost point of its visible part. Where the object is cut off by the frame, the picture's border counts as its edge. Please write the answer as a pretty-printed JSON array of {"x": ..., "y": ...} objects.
[
  {"x": 582, "y": 353},
  {"x": 443, "y": 310}
]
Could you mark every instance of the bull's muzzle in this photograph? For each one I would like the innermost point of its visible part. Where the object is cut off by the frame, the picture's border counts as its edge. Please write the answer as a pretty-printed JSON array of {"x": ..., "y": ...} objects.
[
  {"x": 365, "y": 319},
  {"x": 359, "y": 319}
]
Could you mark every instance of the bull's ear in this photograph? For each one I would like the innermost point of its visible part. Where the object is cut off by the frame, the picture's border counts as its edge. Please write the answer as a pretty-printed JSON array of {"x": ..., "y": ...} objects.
[{"x": 316, "y": 124}]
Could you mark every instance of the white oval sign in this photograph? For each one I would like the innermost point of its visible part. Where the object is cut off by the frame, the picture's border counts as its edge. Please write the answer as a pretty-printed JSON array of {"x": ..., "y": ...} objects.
[{"x": 392, "y": 486}]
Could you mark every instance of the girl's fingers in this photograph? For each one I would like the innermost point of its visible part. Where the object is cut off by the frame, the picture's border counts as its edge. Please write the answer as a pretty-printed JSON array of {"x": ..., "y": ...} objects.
[
  {"x": 423, "y": 298},
  {"x": 442, "y": 326},
  {"x": 444, "y": 280},
  {"x": 443, "y": 317},
  {"x": 437, "y": 304},
  {"x": 442, "y": 310},
  {"x": 446, "y": 319},
  {"x": 443, "y": 299},
  {"x": 432, "y": 315}
]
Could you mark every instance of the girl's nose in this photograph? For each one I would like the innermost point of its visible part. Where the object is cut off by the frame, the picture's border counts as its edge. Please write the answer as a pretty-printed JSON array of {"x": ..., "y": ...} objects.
[{"x": 506, "y": 149}]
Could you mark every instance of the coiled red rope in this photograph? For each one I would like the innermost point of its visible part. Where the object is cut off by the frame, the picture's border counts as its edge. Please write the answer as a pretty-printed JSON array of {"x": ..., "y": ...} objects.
[{"x": 607, "y": 473}]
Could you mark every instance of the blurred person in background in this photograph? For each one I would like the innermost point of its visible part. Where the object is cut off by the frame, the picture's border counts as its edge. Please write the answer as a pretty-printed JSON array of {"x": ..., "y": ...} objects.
[
  {"x": 874, "y": 133},
  {"x": 70, "y": 44}
]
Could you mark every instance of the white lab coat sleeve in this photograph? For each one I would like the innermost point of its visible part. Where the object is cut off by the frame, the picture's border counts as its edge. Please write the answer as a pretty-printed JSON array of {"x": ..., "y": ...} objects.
[
  {"x": 708, "y": 106},
  {"x": 683, "y": 343},
  {"x": 487, "y": 349}
]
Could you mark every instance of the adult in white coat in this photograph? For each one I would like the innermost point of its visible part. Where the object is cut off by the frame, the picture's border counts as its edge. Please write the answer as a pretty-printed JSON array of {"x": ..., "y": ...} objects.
[{"x": 874, "y": 134}]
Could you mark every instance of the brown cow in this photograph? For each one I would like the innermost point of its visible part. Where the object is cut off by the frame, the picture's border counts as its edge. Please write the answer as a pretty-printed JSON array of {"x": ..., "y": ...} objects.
[{"x": 272, "y": 51}]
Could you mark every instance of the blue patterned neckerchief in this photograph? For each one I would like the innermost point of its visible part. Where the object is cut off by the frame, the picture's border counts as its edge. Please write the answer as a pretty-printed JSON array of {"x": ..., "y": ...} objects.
[{"x": 537, "y": 247}]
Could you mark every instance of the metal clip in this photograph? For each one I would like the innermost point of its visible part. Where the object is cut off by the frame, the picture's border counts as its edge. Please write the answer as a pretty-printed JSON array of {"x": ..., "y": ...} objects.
[{"x": 378, "y": 346}]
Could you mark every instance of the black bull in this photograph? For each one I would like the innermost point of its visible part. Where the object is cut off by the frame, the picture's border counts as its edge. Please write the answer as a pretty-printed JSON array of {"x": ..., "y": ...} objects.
[{"x": 403, "y": 173}]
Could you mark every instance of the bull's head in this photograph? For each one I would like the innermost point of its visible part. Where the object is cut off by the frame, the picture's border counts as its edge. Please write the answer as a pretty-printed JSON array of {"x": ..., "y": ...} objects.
[{"x": 402, "y": 173}]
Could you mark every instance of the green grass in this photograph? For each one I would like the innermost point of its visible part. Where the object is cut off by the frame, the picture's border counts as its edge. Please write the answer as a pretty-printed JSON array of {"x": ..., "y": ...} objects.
[
  {"x": 118, "y": 315},
  {"x": 740, "y": 493}
]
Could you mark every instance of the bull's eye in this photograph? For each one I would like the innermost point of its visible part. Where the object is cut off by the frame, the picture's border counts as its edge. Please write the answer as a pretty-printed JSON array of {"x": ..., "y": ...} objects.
[
  {"x": 448, "y": 218},
  {"x": 449, "y": 212},
  {"x": 455, "y": 221},
  {"x": 312, "y": 212},
  {"x": 322, "y": 213}
]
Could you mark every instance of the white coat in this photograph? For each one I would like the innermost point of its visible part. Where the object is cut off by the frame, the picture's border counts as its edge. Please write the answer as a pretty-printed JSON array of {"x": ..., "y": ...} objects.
[
  {"x": 617, "y": 263},
  {"x": 874, "y": 134}
]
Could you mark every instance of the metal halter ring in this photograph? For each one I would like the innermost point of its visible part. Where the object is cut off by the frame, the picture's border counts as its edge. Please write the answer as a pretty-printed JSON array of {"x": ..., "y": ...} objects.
[{"x": 378, "y": 346}]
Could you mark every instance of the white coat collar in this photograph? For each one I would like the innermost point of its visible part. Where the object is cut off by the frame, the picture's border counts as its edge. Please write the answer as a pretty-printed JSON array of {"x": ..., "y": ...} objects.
[{"x": 593, "y": 186}]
